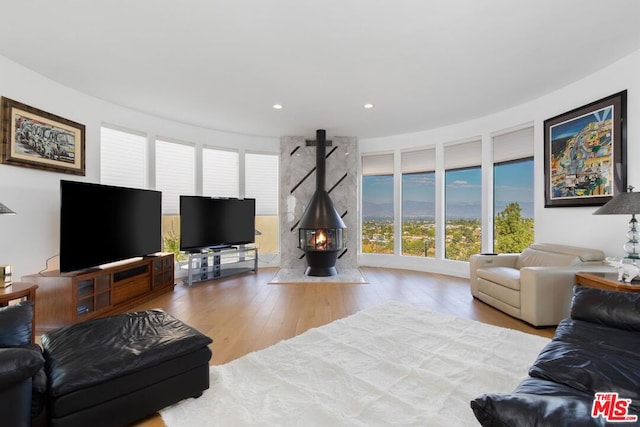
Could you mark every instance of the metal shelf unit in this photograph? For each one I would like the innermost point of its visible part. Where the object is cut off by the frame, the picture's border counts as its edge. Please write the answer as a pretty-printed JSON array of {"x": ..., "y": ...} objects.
[{"x": 210, "y": 264}]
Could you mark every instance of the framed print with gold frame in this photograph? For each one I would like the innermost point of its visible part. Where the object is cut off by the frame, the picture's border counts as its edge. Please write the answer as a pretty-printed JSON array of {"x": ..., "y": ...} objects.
[{"x": 36, "y": 139}]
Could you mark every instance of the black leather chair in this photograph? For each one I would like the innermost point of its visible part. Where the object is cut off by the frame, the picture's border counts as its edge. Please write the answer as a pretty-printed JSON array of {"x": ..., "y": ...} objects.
[{"x": 22, "y": 378}]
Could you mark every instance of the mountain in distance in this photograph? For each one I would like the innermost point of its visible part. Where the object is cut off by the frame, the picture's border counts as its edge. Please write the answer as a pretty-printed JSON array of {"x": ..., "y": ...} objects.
[
  {"x": 413, "y": 209},
  {"x": 377, "y": 210}
]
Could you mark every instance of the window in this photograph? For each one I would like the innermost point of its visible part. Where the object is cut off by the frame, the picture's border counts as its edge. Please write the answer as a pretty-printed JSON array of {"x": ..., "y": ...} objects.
[
  {"x": 123, "y": 158},
  {"x": 463, "y": 196},
  {"x": 262, "y": 183},
  {"x": 418, "y": 203},
  {"x": 513, "y": 224},
  {"x": 175, "y": 176},
  {"x": 377, "y": 204},
  {"x": 220, "y": 173}
]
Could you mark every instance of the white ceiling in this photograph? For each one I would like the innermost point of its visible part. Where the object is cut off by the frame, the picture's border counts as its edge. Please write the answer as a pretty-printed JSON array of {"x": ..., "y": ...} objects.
[{"x": 222, "y": 64}]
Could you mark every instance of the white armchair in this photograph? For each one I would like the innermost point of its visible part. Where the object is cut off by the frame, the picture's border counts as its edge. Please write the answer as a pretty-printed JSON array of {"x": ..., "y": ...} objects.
[{"x": 536, "y": 285}]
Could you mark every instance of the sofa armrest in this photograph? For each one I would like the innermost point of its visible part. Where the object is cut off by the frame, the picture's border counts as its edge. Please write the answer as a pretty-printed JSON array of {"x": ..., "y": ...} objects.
[
  {"x": 546, "y": 292},
  {"x": 18, "y": 367},
  {"x": 482, "y": 261},
  {"x": 18, "y": 364}
]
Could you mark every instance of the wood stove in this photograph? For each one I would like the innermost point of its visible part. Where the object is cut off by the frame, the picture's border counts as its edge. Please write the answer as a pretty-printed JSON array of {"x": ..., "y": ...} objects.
[{"x": 321, "y": 231}]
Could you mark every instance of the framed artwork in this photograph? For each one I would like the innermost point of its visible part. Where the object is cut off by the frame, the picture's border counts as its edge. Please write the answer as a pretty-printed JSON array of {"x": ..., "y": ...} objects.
[
  {"x": 36, "y": 139},
  {"x": 585, "y": 154}
]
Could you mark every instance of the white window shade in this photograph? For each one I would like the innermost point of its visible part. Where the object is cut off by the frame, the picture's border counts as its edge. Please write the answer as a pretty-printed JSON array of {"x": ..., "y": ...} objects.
[
  {"x": 220, "y": 173},
  {"x": 123, "y": 158},
  {"x": 419, "y": 161},
  {"x": 513, "y": 145},
  {"x": 261, "y": 182},
  {"x": 377, "y": 164},
  {"x": 463, "y": 155},
  {"x": 175, "y": 174}
]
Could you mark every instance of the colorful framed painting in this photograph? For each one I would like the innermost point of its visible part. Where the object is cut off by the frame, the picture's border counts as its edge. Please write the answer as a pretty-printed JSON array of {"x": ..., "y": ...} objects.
[
  {"x": 585, "y": 154},
  {"x": 36, "y": 139}
]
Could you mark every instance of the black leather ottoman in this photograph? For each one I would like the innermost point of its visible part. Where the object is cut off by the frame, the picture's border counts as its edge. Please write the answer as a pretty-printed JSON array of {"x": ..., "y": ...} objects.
[{"x": 116, "y": 370}]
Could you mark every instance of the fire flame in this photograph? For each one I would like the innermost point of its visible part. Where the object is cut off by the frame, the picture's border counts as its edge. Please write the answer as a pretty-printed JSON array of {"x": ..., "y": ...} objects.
[{"x": 321, "y": 240}]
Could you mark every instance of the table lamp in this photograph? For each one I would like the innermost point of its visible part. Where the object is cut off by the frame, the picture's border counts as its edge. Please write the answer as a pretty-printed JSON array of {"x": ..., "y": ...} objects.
[
  {"x": 5, "y": 270},
  {"x": 5, "y": 210},
  {"x": 627, "y": 203}
]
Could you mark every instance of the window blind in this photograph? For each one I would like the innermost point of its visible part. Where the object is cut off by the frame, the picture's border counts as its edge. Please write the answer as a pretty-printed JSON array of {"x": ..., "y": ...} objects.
[
  {"x": 220, "y": 173},
  {"x": 123, "y": 158},
  {"x": 419, "y": 161},
  {"x": 261, "y": 182},
  {"x": 513, "y": 145},
  {"x": 175, "y": 174},
  {"x": 463, "y": 155},
  {"x": 377, "y": 164}
]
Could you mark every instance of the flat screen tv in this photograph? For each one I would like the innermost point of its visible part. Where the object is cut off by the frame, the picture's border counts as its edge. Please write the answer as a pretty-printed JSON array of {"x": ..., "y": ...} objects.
[
  {"x": 100, "y": 224},
  {"x": 208, "y": 222}
]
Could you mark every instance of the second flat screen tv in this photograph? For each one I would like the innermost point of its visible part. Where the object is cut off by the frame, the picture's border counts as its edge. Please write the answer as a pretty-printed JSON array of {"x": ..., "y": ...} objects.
[{"x": 207, "y": 222}]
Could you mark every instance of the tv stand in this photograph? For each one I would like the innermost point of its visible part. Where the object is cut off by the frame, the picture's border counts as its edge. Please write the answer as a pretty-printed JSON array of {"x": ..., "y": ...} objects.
[
  {"x": 67, "y": 298},
  {"x": 219, "y": 262}
]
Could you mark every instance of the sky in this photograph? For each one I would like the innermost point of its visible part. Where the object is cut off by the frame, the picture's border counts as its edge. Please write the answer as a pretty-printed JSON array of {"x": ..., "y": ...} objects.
[{"x": 514, "y": 183}]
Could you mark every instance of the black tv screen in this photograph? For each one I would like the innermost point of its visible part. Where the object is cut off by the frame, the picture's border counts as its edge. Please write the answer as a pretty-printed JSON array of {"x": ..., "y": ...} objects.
[
  {"x": 100, "y": 224},
  {"x": 207, "y": 222}
]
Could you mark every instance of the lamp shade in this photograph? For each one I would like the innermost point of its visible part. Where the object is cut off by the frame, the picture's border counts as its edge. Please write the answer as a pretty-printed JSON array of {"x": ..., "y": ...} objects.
[
  {"x": 627, "y": 203},
  {"x": 5, "y": 210}
]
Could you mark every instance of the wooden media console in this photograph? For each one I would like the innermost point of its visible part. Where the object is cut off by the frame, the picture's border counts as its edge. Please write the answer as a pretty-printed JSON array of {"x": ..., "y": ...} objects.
[{"x": 67, "y": 298}]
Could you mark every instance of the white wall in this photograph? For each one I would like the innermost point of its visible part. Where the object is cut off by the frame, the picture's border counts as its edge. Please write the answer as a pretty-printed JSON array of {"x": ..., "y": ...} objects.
[
  {"x": 30, "y": 238},
  {"x": 575, "y": 225}
]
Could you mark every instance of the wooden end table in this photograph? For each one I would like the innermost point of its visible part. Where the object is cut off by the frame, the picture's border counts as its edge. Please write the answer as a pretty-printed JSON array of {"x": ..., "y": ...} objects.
[
  {"x": 21, "y": 291},
  {"x": 606, "y": 281}
]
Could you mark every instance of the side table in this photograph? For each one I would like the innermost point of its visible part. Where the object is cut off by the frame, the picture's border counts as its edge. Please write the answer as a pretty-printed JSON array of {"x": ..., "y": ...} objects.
[
  {"x": 606, "y": 281},
  {"x": 21, "y": 291}
]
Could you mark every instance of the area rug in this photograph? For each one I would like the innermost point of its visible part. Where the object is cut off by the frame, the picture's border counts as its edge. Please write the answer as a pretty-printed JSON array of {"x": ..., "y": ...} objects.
[
  {"x": 393, "y": 364},
  {"x": 291, "y": 275}
]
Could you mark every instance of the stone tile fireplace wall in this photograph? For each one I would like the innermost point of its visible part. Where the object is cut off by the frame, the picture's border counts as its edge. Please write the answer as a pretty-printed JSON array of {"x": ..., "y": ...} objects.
[{"x": 298, "y": 184}]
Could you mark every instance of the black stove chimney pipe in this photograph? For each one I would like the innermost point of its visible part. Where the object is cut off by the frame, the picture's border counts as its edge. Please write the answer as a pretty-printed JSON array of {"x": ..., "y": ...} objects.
[
  {"x": 320, "y": 212},
  {"x": 321, "y": 162}
]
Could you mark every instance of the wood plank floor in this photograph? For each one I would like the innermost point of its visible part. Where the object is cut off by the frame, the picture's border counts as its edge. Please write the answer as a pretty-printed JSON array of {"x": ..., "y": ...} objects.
[{"x": 244, "y": 313}]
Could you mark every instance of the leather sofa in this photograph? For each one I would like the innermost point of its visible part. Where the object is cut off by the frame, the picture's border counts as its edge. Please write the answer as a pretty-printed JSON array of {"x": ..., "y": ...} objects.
[
  {"x": 535, "y": 285},
  {"x": 595, "y": 350},
  {"x": 23, "y": 381}
]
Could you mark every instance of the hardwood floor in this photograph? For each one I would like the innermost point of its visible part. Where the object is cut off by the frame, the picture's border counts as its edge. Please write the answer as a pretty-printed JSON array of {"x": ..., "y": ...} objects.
[{"x": 244, "y": 313}]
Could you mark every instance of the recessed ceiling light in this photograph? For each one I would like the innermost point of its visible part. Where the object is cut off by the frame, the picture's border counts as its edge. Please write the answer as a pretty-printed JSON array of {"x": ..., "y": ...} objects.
[
  {"x": 277, "y": 106},
  {"x": 368, "y": 106}
]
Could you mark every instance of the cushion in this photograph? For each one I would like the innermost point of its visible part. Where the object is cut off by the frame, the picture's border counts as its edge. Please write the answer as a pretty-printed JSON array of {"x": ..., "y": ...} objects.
[
  {"x": 585, "y": 254},
  {"x": 536, "y": 258},
  {"x": 98, "y": 350},
  {"x": 592, "y": 358},
  {"x": 19, "y": 363},
  {"x": 16, "y": 324},
  {"x": 611, "y": 308},
  {"x": 505, "y": 276},
  {"x": 526, "y": 410}
]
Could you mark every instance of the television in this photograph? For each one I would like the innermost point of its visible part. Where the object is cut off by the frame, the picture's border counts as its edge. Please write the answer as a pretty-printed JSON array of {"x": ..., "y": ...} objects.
[
  {"x": 100, "y": 224},
  {"x": 209, "y": 222}
]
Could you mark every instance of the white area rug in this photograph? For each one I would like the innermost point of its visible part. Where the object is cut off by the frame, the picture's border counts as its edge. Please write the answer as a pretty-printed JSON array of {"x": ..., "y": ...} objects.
[
  {"x": 394, "y": 364},
  {"x": 345, "y": 275}
]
